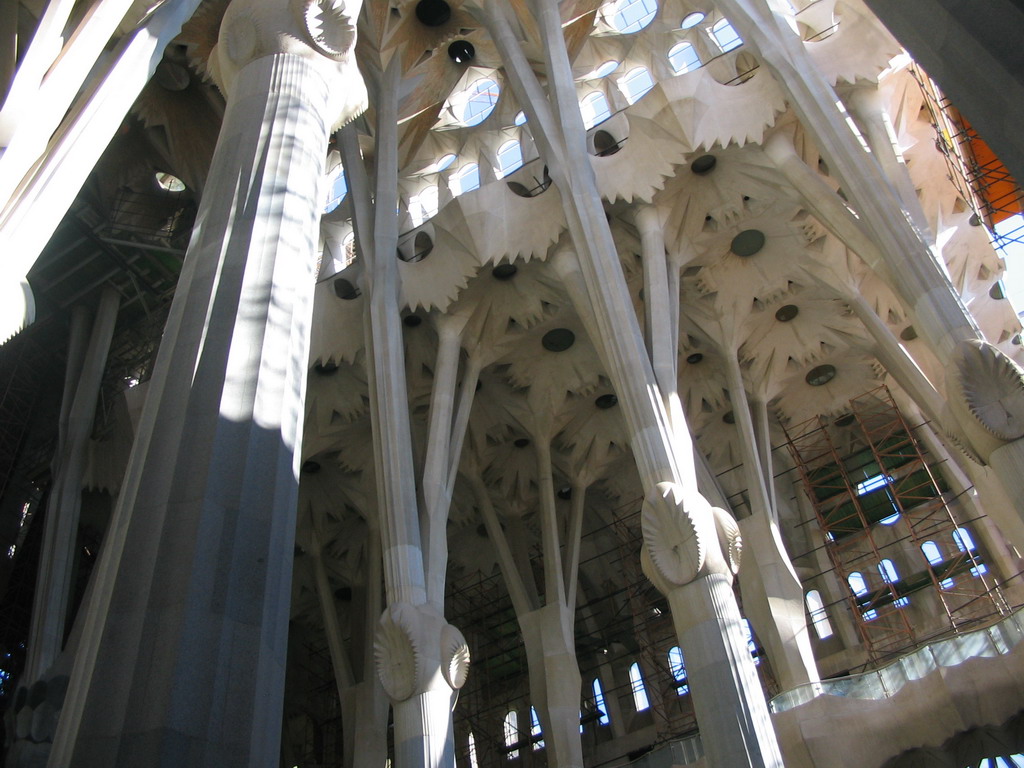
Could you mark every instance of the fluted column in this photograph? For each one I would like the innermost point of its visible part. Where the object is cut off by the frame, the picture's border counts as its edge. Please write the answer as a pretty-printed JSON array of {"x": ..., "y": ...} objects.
[
  {"x": 182, "y": 656},
  {"x": 64, "y": 505}
]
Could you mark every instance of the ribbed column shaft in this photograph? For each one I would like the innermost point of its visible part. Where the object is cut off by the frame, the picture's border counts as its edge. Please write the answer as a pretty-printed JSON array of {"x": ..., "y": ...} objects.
[{"x": 182, "y": 658}]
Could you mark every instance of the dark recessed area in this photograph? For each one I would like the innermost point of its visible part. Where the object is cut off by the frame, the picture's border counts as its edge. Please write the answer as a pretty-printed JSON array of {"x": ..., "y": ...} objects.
[
  {"x": 821, "y": 374},
  {"x": 422, "y": 245},
  {"x": 558, "y": 340},
  {"x": 605, "y": 402},
  {"x": 975, "y": 220},
  {"x": 326, "y": 369},
  {"x": 787, "y": 313},
  {"x": 747, "y": 243},
  {"x": 704, "y": 164},
  {"x": 540, "y": 186},
  {"x": 504, "y": 271},
  {"x": 909, "y": 333},
  {"x": 344, "y": 594},
  {"x": 481, "y": 531},
  {"x": 605, "y": 144},
  {"x": 309, "y": 466},
  {"x": 565, "y": 493},
  {"x": 433, "y": 13},
  {"x": 694, "y": 358},
  {"x": 521, "y": 442},
  {"x": 729, "y": 418},
  {"x": 845, "y": 420},
  {"x": 461, "y": 51},
  {"x": 412, "y": 321},
  {"x": 996, "y": 291},
  {"x": 343, "y": 289}
]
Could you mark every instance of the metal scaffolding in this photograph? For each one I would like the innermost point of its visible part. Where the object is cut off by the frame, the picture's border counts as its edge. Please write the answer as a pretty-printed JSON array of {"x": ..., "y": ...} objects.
[
  {"x": 979, "y": 176},
  {"x": 879, "y": 502}
]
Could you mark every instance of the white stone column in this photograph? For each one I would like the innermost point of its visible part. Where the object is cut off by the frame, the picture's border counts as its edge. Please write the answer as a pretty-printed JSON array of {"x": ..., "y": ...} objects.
[
  {"x": 682, "y": 533},
  {"x": 772, "y": 594},
  {"x": 60, "y": 533},
  {"x": 183, "y": 653},
  {"x": 421, "y": 659},
  {"x": 866, "y": 103}
]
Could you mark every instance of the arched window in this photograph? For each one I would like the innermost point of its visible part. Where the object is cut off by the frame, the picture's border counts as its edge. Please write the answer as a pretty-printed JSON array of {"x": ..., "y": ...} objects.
[
  {"x": 423, "y": 206},
  {"x": 636, "y": 682},
  {"x": 511, "y": 730},
  {"x": 683, "y": 58},
  {"x": 471, "y": 749},
  {"x": 535, "y": 731},
  {"x": 932, "y": 553},
  {"x": 887, "y": 570},
  {"x": 692, "y": 20},
  {"x": 819, "y": 617},
  {"x": 629, "y": 16},
  {"x": 726, "y": 37},
  {"x": 678, "y": 670},
  {"x": 594, "y": 108},
  {"x": 857, "y": 583},
  {"x": 636, "y": 83},
  {"x": 478, "y": 101},
  {"x": 466, "y": 179},
  {"x": 442, "y": 163},
  {"x": 510, "y": 157},
  {"x": 603, "y": 717},
  {"x": 337, "y": 191},
  {"x": 755, "y": 653},
  {"x": 963, "y": 540}
]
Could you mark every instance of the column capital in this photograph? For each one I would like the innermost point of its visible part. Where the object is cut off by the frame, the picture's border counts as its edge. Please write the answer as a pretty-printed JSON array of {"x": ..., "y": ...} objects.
[
  {"x": 412, "y": 643},
  {"x": 685, "y": 538},
  {"x": 320, "y": 31}
]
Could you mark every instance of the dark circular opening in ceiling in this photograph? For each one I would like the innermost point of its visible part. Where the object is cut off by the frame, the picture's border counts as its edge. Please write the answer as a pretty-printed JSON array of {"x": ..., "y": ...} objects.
[
  {"x": 747, "y": 243},
  {"x": 787, "y": 313},
  {"x": 996, "y": 291},
  {"x": 821, "y": 374},
  {"x": 521, "y": 442},
  {"x": 433, "y": 13},
  {"x": 558, "y": 340},
  {"x": 694, "y": 358},
  {"x": 704, "y": 164},
  {"x": 975, "y": 220},
  {"x": 565, "y": 492},
  {"x": 504, "y": 271},
  {"x": 729, "y": 418},
  {"x": 909, "y": 333},
  {"x": 461, "y": 51},
  {"x": 604, "y": 402},
  {"x": 412, "y": 320},
  {"x": 309, "y": 466},
  {"x": 326, "y": 369}
]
